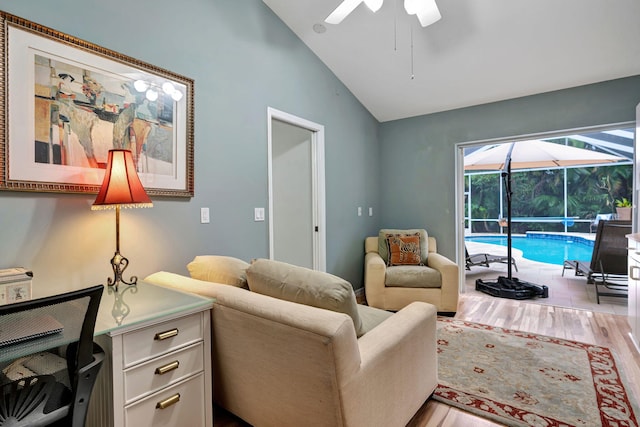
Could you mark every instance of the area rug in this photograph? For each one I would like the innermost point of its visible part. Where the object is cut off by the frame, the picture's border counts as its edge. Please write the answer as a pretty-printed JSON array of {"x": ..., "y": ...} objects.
[{"x": 523, "y": 379}]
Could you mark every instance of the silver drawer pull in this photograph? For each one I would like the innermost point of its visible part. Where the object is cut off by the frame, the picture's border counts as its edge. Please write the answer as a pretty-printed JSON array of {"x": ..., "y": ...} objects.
[
  {"x": 166, "y": 334},
  {"x": 167, "y": 368},
  {"x": 164, "y": 404}
]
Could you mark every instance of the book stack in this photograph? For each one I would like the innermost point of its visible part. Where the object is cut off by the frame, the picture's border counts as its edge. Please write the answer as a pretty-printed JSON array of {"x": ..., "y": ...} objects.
[{"x": 15, "y": 285}]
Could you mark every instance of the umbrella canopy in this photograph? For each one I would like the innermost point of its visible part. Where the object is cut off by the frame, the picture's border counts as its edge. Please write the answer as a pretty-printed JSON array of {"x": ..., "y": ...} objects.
[{"x": 535, "y": 154}]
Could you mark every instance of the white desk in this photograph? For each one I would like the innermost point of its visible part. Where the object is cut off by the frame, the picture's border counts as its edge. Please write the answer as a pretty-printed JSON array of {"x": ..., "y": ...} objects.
[{"x": 158, "y": 366}]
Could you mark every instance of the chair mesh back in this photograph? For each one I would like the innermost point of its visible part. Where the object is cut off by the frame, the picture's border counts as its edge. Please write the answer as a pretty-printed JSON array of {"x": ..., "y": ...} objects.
[
  {"x": 610, "y": 247},
  {"x": 44, "y": 344},
  {"x": 31, "y": 329}
]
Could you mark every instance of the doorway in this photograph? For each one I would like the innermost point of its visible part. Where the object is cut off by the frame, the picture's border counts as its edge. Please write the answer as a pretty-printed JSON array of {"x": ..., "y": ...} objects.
[
  {"x": 574, "y": 195},
  {"x": 296, "y": 191}
]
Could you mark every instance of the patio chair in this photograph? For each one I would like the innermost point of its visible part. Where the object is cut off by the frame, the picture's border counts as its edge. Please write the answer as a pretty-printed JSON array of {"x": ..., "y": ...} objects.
[
  {"x": 597, "y": 219},
  {"x": 609, "y": 247},
  {"x": 612, "y": 280},
  {"x": 485, "y": 259}
]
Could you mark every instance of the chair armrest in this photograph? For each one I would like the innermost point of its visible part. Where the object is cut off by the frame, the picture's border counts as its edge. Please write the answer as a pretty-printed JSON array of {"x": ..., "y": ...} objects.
[
  {"x": 398, "y": 369},
  {"x": 450, "y": 286},
  {"x": 375, "y": 270}
]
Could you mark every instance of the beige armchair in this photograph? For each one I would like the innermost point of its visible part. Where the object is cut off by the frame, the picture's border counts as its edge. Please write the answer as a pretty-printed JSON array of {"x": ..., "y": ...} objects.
[{"x": 394, "y": 287}]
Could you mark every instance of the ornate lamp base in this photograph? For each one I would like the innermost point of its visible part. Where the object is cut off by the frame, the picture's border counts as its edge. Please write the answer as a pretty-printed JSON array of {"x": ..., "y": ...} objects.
[{"x": 119, "y": 264}]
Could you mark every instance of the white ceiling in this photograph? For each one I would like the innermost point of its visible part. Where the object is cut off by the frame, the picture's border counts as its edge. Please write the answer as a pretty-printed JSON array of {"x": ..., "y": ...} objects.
[{"x": 480, "y": 51}]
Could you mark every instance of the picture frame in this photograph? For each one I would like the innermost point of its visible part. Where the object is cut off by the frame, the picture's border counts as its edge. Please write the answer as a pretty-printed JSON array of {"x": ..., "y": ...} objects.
[{"x": 66, "y": 102}]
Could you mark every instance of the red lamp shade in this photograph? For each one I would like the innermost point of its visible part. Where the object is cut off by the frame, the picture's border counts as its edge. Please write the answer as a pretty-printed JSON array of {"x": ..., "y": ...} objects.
[{"x": 121, "y": 185}]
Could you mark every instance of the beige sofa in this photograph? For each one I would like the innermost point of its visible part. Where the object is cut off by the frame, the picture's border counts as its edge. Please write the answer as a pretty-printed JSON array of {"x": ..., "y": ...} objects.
[
  {"x": 282, "y": 363},
  {"x": 393, "y": 296}
]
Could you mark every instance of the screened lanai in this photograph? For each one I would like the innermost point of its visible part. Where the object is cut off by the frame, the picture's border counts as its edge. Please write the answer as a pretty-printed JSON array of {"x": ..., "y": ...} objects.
[{"x": 557, "y": 198}]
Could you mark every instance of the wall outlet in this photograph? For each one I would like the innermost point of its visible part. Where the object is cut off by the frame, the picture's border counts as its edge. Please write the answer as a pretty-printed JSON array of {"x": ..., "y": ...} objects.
[
  {"x": 370, "y": 211},
  {"x": 359, "y": 210},
  {"x": 204, "y": 215}
]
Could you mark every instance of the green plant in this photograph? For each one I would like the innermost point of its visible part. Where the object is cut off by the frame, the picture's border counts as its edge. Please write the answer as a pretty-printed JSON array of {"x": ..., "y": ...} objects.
[{"x": 623, "y": 203}]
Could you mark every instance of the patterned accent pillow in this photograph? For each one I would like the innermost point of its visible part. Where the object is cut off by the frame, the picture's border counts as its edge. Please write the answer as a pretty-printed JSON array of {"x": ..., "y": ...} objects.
[
  {"x": 383, "y": 245},
  {"x": 404, "y": 249}
]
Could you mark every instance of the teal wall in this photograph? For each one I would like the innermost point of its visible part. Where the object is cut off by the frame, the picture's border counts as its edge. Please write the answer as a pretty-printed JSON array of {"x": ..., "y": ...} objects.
[
  {"x": 243, "y": 59},
  {"x": 418, "y": 154}
]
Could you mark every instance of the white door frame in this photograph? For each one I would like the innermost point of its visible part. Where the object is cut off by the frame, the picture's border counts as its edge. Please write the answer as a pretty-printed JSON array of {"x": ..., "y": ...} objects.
[{"x": 317, "y": 179}]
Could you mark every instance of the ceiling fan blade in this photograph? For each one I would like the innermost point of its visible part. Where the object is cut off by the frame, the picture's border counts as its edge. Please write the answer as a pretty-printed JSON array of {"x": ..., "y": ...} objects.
[
  {"x": 426, "y": 11},
  {"x": 429, "y": 13},
  {"x": 342, "y": 11},
  {"x": 373, "y": 5}
]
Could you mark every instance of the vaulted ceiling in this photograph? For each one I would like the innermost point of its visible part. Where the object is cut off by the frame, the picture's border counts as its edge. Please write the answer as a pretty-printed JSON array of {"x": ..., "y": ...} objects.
[{"x": 481, "y": 51}]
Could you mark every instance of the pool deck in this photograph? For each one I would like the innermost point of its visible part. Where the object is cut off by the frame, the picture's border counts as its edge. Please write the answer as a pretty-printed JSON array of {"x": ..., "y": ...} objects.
[{"x": 568, "y": 291}]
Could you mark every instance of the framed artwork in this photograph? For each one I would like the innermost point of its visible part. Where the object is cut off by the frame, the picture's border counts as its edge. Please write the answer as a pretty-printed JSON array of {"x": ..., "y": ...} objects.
[{"x": 67, "y": 102}]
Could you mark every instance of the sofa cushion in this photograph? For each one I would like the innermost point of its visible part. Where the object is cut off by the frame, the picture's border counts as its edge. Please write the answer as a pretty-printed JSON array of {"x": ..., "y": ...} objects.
[
  {"x": 410, "y": 276},
  {"x": 219, "y": 269},
  {"x": 383, "y": 247},
  {"x": 404, "y": 250},
  {"x": 304, "y": 286},
  {"x": 372, "y": 317}
]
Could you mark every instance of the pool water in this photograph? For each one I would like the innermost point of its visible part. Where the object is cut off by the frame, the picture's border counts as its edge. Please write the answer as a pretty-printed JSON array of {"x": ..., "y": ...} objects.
[{"x": 551, "y": 249}]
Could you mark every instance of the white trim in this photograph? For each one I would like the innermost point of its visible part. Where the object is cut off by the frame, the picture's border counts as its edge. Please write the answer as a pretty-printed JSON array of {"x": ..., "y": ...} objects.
[
  {"x": 318, "y": 179},
  {"x": 459, "y": 179}
]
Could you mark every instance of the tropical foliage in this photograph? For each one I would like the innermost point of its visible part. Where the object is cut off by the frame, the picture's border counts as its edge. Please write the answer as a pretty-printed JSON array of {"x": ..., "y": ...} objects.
[{"x": 540, "y": 193}]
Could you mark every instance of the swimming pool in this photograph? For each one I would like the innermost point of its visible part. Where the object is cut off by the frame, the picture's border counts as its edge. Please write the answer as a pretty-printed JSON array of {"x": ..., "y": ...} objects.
[{"x": 549, "y": 248}]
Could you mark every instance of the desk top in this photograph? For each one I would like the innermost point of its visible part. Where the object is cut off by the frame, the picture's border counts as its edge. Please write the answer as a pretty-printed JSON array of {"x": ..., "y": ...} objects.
[
  {"x": 145, "y": 302},
  {"x": 119, "y": 310}
]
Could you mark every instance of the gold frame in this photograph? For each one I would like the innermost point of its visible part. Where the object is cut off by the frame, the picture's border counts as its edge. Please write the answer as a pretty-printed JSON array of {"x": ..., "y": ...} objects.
[{"x": 184, "y": 133}]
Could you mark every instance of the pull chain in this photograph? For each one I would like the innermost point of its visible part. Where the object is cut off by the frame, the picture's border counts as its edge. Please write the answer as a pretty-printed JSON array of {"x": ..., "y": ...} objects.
[
  {"x": 395, "y": 28},
  {"x": 412, "y": 74}
]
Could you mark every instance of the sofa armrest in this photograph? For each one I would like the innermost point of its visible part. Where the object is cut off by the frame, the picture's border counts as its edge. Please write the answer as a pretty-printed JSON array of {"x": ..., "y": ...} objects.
[
  {"x": 375, "y": 271},
  {"x": 398, "y": 369},
  {"x": 450, "y": 286}
]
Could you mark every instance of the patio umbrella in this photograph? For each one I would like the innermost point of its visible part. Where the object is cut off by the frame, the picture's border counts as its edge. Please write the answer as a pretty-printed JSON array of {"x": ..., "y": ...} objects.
[{"x": 532, "y": 154}]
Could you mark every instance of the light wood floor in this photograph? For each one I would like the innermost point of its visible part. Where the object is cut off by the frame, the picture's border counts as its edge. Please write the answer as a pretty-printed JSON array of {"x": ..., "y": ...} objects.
[{"x": 603, "y": 329}]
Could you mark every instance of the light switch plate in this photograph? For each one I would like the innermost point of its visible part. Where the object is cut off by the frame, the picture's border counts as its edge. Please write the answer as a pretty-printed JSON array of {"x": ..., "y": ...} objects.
[
  {"x": 258, "y": 214},
  {"x": 204, "y": 215}
]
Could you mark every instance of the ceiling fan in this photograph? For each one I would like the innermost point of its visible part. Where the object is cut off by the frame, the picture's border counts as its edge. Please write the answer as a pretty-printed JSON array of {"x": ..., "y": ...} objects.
[{"x": 426, "y": 10}]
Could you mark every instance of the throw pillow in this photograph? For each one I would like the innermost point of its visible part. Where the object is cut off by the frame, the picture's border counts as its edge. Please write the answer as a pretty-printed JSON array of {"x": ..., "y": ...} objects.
[
  {"x": 219, "y": 269},
  {"x": 383, "y": 249},
  {"x": 304, "y": 286},
  {"x": 404, "y": 250}
]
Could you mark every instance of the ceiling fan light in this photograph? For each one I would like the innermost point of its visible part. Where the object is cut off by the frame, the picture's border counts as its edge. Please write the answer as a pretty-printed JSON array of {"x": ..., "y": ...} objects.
[
  {"x": 151, "y": 95},
  {"x": 374, "y": 5},
  {"x": 140, "y": 85},
  {"x": 168, "y": 88},
  {"x": 342, "y": 11},
  {"x": 176, "y": 95}
]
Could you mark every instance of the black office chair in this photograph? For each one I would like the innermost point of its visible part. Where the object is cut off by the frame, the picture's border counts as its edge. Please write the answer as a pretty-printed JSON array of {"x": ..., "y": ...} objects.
[{"x": 60, "y": 321}]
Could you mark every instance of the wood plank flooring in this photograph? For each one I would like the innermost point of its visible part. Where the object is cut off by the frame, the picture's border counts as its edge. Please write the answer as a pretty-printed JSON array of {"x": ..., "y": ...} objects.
[{"x": 607, "y": 330}]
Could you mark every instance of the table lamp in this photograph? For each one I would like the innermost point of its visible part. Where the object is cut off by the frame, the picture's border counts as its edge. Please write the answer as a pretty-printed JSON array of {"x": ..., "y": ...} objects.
[{"x": 121, "y": 188}]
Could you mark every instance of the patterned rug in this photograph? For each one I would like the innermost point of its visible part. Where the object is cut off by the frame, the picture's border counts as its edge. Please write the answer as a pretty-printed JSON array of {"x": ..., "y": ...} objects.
[{"x": 523, "y": 379}]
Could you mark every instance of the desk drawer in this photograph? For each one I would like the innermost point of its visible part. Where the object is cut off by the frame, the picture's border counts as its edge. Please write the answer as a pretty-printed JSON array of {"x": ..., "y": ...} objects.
[
  {"x": 185, "y": 407},
  {"x": 162, "y": 338},
  {"x": 158, "y": 373}
]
